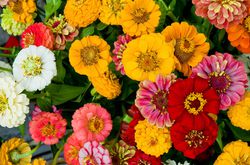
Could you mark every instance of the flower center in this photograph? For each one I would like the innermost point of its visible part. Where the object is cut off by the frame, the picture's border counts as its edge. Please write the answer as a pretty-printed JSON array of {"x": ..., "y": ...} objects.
[
  {"x": 89, "y": 160},
  {"x": 32, "y": 66},
  {"x": 247, "y": 23},
  {"x": 143, "y": 162},
  {"x": 90, "y": 55},
  {"x": 194, "y": 103},
  {"x": 140, "y": 15},
  {"x": 219, "y": 81},
  {"x": 242, "y": 160},
  {"x": 153, "y": 142},
  {"x": 160, "y": 101},
  {"x": 95, "y": 124},
  {"x": 17, "y": 8},
  {"x": 184, "y": 49},
  {"x": 73, "y": 153},
  {"x": 195, "y": 138},
  {"x": 78, "y": 3},
  {"x": 148, "y": 61},
  {"x": 3, "y": 102},
  {"x": 29, "y": 39},
  {"x": 48, "y": 130},
  {"x": 116, "y": 6}
]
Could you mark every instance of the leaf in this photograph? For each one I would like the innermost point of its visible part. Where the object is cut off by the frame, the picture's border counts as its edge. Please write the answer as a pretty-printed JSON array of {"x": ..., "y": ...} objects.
[
  {"x": 101, "y": 26},
  {"x": 220, "y": 135},
  {"x": 21, "y": 129},
  {"x": 87, "y": 31},
  {"x": 44, "y": 103},
  {"x": 238, "y": 132},
  {"x": 51, "y": 7},
  {"x": 63, "y": 93},
  {"x": 61, "y": 72},
  {"x": 172, "y": 4},
  {"x": 162, "y": 17}
]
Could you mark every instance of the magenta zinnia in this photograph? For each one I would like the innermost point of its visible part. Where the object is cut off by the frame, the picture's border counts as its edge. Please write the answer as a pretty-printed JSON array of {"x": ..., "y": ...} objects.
[
  {"x": 226, "y": 75},
  {"x": 151, "y": 100}
]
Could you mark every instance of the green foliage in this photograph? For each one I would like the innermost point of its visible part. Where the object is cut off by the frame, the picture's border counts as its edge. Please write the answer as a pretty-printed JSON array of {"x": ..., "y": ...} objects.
[
  {"x": 87, "y": 31},
  {"x": 238, "y": 132},
  {"x": 51, "y": 7}
]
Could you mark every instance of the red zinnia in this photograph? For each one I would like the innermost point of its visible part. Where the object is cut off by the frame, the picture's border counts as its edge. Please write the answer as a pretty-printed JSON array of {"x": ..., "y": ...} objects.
[
  {"x": 193, "y": 138},
  {"x": 142, "y": 158},
  {"x": 192, "y": 98}
]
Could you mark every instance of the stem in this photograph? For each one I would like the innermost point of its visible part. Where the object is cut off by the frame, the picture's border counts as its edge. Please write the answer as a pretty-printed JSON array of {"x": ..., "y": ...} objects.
[
  {"x": 7, "y": 55},
  {"x": 171, "y": 15},
  {"x": 3, "y": 48},
  {"x": 57, "y": 155},
  {"x": 5, "y": 69}
]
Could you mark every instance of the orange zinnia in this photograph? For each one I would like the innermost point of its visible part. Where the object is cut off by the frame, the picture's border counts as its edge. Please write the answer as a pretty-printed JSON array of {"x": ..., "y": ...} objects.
[{"x": 239, "y": 34}]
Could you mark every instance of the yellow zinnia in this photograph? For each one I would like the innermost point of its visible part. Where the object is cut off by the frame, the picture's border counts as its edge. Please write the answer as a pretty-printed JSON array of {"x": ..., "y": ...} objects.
[
  {"x": 90, "y": 56},
  {"x": 239, "y": 114},
  {"x": 14, "y": 145},
  {"x": 81, "y": 13},
  {"x": 151, "y": 139},
  {"x": 106, "y": 85},
  {"x": 111, "y": 11},
  {"x": 190, "y": 46},
  {"x": 147, "y": 56},
  {"x": 234, "y": 153},
  {"x": 39, "y": 161},
  {"x": 23, "y": 11},
  {"x": 140, "y": 17}
]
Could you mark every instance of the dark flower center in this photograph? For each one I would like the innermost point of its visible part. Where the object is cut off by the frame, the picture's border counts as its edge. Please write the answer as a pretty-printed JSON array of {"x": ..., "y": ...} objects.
[
  {"x": 219, "y": 81},
  {"x": 90, "y": 55},
  {"x": 148, "y": 61},
  {"x": 194, "y": 103},
  {"x": 140, "y": 15},
  {"x": 195, "y": 138},
  {"x": 184, "y": 49},
  {"x": 160, "y": 101}
]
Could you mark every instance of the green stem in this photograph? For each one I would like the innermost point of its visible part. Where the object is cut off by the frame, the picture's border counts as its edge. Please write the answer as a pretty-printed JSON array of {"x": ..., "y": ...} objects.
[
  {"x": 57, "y": 155},
  {"x": 7, "y": 55},
  {"x": 171, "y": 15},
  {"x": 3, "y": 48},
  {"x": 5, "y": 69}
]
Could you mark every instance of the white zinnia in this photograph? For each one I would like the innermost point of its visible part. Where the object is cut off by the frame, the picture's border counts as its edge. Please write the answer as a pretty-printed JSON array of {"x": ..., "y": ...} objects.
[
  {"x": 13, "y": 104},
  {"x": 172, "y": 162},
  {"x": 34, "y": 67}
]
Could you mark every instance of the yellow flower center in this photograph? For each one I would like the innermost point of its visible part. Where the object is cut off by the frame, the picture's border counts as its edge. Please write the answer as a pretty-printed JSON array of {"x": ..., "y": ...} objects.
[
  {"x": 17, "y": 6},
  {"x": 48, "y": 130},
  {"x": 247, "y": 23},
  {"x": 219, "y": 81},
  {"x": 95, "y": 124},
  {"x": 89, "y": 160},
  {"x": 29, "y": 39},
  {"x": 116, "y": 6},
  {"x": 184, "y": 49},
  {"x": 140, "y": 15},
  {"x": 90, "y": 55},
  {"x": 148, "y": 61},
  {"x": 73, "y": 152},
  {"x": 194, "y": 103},
  {"x": 195, "y": 138},
  {"x": 32, "y": 66},
  {"x": 3, "y": 102}
]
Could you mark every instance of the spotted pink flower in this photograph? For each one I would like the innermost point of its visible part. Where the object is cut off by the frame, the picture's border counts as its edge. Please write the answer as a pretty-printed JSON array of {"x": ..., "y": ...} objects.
[
  {"x": 151, "y": 100},
  {"x": 91, "y": 122},
  {"x": 47, "y": 127},
  {"x": 120, "y": 46},
  {"x": 226, "y": 75},
  {"x": 94, "y": 153},
  {"x": 222, "y": 12}
]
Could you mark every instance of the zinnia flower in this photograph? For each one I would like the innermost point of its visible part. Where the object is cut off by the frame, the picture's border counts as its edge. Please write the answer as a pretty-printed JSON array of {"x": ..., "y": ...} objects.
[
  {"x": 192, "y": 99},
  {"x": 47, "y": 128},
  {"x": 37, "y": 34},
  {"x": 120, "y": 46},
  {"x": 151, "y": 99},
  {"x": 111, "y": 11},
  {"x": 90, "y": 56},
  {"x": 23, "y": 11},
  {"x": 91, "y": 123},
  {"x": 239, "y": 34},
  {"x": 172, "y": 162},
  {"x": 221, "y": 12},
  {"x": 10, "y": 25},
  {"x": 239, "y": 113},
  {"x": 226, "y": 75},
  {"x": 94, "y": 153},
  {"x": 142, "y": 158},
  {"x": 71, "y": 150},
  {"x": 121, "y": 152},
  {"x": 14, "y": 145},
  {"x": 39, "y": 161},
  {"x": 13, "y": 104},
  {"x": 34, "y": 67},
  {"x": 5, "y": 69},
  {"x": 189, "y": 46},
  {"x": 151, "y": 139},
  {"x": 81, "y": 13},
  {"x": 148, "y": 56},
  {"x": 140, "y": 17},
  {"x": 192, "y": 138},
  {"x": 107, "y": 85},
  {"x": 237, "y": 152}
]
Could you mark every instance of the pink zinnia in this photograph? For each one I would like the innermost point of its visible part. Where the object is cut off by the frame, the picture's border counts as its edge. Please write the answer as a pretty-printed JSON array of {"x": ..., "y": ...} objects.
[
  {"x": 151, "y": 100},
  {"x": 94, "y": 153},
  {"x": 38, "y": 34},
  {"x": 71, "y": 150},
  {"x": 91, "y": 122},
  {"x": 226, "y": 75},
  {"x": 222, "y": 12},
  {"x": 37, "y": 110},
  {"x": 47, "y": 127},
  {"x": 120, "y": 46}
]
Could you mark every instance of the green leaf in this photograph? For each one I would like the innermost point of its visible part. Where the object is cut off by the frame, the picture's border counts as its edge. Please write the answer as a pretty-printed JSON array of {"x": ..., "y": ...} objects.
[
  {"x": 63, "y": 93},
  {"x": 21, "y": 129},
  {"x": 101, "y": 26},
  {"x": 61, "y": 72},
  {"x": 172, "y": 5},
  {"x": 44, "y": 103},
  {"x": 51, "y": 7},
  {"x": 220, "y": 135},
  {"x": 163, "y": 16},
  {"x": 87, "y": 31},
  {"x": 238, "y": 132}
]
